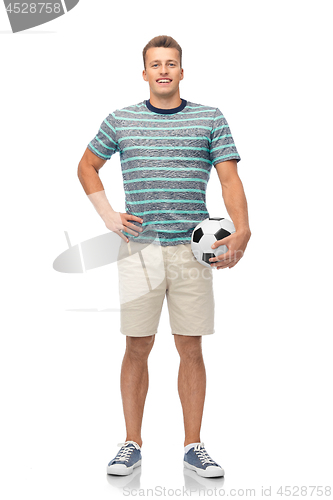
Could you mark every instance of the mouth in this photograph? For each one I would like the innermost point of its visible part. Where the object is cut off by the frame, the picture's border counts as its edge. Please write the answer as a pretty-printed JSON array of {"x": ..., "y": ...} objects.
[{"x": 164, "y": 81}]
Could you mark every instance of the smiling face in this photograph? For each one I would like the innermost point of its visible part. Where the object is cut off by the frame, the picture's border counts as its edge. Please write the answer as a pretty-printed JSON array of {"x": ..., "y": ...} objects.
[{"x": 163, "y": 72}]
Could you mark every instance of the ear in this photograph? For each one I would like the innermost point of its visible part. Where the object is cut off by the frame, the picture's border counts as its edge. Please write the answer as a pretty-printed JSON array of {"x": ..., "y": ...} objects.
[
  {"x": 144, "y": 75},
  {"x": 181, "y": 74}
]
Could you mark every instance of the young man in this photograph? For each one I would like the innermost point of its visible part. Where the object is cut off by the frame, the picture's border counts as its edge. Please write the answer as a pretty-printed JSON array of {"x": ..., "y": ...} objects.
[{"x": 167, "y": 148}]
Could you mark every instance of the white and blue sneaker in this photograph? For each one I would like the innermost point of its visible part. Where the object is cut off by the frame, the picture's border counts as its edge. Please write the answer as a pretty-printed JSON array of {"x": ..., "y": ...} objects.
[
  {"x": 197, "y": 459},
  {"x": 127, "y": 458}
]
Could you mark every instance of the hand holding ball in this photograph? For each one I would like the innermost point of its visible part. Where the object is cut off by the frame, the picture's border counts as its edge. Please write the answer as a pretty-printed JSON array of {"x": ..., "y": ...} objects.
[{"x": 208, "y": 232}]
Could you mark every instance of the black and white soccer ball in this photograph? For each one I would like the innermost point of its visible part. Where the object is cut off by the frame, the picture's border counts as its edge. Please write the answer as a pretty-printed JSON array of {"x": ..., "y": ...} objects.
[{"x": 205, "y": 234}]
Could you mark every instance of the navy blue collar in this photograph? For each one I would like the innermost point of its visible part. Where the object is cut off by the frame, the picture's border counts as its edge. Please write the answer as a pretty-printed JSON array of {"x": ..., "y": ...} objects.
[{"x": 166, "y": 111}]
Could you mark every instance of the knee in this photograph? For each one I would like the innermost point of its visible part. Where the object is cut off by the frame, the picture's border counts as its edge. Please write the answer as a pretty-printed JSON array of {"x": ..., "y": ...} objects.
[
  {"x": 189, "y": 348},
  {"x": 139, "y": 347}
]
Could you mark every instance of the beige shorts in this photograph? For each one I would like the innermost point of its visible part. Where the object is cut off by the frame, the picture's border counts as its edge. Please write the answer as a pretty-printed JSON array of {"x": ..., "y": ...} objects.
[{"x": 149, "y": 272}]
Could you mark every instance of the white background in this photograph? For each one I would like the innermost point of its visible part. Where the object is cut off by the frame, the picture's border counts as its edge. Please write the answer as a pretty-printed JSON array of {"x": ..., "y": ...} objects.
[{"x": 268, "y": 411}]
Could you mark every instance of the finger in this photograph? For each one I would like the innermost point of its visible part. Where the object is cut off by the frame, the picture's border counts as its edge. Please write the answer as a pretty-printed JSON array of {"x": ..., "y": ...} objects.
[
  {"x": 221, "y": 263},
  {"x": 133, "y": 217},
  {"x": 131, "y": 224},
  {"x": 223, "y": 266},
  {"x": 120, "y": 227},
  {"x": 224, "y": 241},
  {"x": 134, "y": 226},
  {"x": 125, "y": 227},
  {"x": 223, "y": 257},
  {"x": 228, "y": 257},
  {"x": 123, "y": 237},
  {"x": 129, "y": 231}
]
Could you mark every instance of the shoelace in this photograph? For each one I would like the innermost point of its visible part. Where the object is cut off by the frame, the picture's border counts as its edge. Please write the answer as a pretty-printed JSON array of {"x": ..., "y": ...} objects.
[
  {"x": 202, "y": 454},
  {"x": 125, "y": 451}
]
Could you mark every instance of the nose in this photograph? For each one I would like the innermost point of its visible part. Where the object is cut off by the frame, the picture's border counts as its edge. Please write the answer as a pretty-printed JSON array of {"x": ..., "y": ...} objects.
[{"x": 163, "y": 70}]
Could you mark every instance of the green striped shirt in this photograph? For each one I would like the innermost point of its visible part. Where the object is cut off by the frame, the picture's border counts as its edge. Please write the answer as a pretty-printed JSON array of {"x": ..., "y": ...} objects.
[{"x": 166, "y": 158}]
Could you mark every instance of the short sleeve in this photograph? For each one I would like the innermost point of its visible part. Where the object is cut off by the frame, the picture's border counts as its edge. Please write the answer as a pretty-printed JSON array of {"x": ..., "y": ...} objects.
[
  {"x": 104, "y": 144},
  {"x": 222, "y": 145}
]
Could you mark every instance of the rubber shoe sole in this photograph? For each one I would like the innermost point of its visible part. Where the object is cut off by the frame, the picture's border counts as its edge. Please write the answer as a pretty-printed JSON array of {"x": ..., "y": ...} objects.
[
  {"x": 210, "y": 471},
  {"x": 122, "y": 469}
]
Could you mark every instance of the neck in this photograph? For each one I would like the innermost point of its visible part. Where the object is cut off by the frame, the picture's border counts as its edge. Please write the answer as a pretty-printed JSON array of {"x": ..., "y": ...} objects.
[{"x": 165, "y": 102}]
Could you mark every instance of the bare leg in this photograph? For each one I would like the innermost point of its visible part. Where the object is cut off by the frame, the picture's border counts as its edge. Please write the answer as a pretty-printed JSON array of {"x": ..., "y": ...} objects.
[
  {"x": 134, "y": 383},
  {"x": 191, "y": 384}
]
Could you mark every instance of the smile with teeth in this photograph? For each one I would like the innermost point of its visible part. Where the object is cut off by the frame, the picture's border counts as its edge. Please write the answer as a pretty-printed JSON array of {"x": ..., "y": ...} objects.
[{"x": 164, "y": 80}]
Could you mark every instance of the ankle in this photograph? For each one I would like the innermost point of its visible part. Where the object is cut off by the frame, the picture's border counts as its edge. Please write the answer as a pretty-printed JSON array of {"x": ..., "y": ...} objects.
[
  {"x": 189, "y": 441},
  {"x": 136, "y": 440}
]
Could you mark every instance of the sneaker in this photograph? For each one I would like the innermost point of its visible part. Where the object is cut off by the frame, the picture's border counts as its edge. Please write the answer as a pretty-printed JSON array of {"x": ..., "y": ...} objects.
[
  {"x": 197, "y": 459},
  {"x": 127, "y": 458}
]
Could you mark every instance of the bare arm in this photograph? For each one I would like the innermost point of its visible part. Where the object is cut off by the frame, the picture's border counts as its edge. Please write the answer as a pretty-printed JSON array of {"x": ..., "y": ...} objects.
[
  {"x": 236, "y": 205},
  {"x": 88, "y": 174},
  {"x": 233, "y": 194}
]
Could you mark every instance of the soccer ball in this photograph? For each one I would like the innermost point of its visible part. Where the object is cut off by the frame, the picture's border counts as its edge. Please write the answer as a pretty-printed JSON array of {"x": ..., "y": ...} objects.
[{"x": 205, "y": 234}]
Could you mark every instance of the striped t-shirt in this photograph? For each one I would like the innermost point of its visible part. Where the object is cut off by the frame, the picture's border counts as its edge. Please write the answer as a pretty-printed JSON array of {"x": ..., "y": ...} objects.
[{"x": 166, "y": 158}]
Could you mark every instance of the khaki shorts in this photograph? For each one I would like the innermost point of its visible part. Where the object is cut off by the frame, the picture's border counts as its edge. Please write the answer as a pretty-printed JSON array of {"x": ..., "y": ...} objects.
[{"x": 149, "y": 272}]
